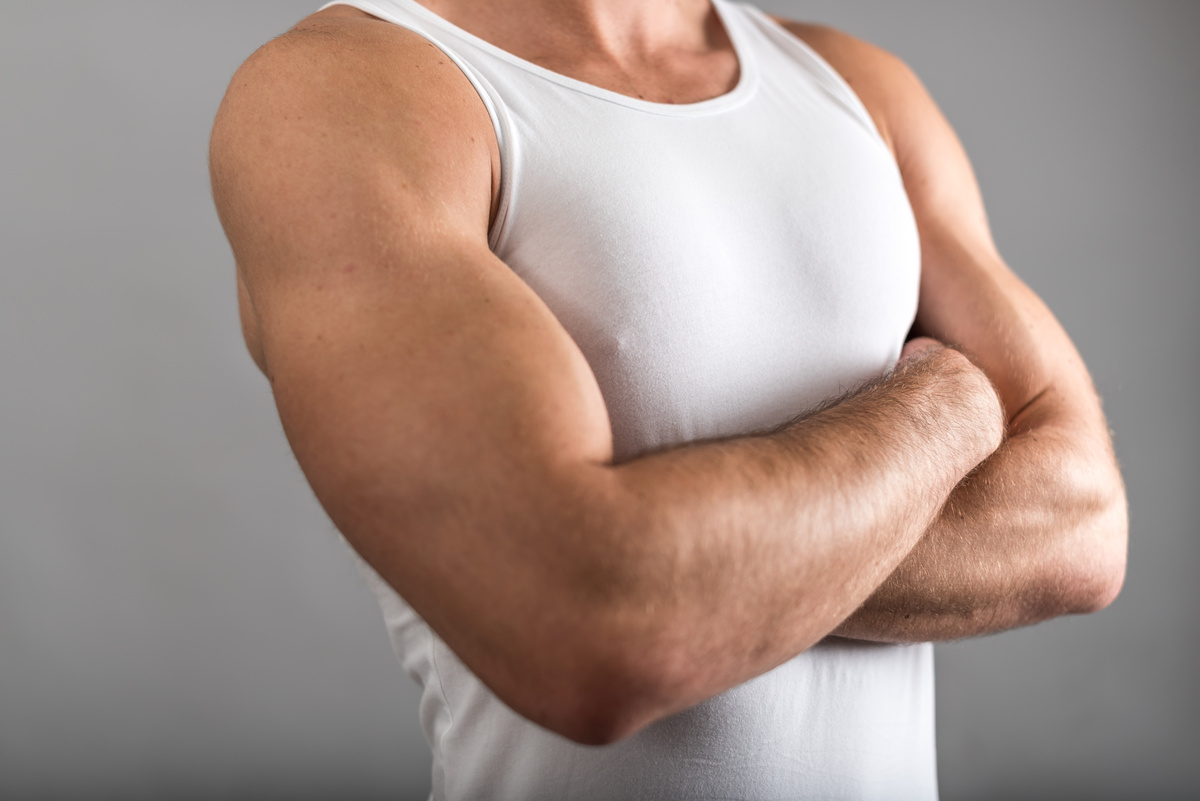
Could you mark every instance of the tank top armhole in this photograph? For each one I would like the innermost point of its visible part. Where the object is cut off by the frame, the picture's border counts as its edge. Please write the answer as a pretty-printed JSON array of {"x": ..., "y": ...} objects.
[
  {"x": 501, "y": 124},
  {"x": 822, "y": 70}
]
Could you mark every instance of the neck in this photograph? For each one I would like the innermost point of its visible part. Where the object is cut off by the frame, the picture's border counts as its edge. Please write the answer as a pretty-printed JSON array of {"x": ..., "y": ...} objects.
[
  {"x": 666, "y": 51},
  {"x": 615, "y": 31}
]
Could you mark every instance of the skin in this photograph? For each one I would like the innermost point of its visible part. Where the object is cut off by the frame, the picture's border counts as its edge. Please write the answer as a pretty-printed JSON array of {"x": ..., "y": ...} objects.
[
  {"x": 458, "y": 439},
  {"x": 1040, "y": 530}
]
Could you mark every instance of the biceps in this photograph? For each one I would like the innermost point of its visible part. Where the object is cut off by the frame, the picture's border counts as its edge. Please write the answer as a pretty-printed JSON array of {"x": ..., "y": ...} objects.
[
  {"x": 970, "y": 298},
  {"x": 432, "y": 383},
  {"x": 448, "y": 425}
]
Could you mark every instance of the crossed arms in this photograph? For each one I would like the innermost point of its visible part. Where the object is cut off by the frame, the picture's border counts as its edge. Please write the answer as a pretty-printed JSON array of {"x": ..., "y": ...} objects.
[{"x": 456, "y": 436}]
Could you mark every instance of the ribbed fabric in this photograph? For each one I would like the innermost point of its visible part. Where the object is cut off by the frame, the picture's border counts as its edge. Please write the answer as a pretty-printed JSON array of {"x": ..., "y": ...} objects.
[{"x": 723, "y": 266}]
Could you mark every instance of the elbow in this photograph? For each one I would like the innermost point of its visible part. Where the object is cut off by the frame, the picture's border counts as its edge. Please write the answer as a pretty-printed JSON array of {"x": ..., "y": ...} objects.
[
  {"x": 617, "y": 668},
  {"x": 1107, "y": 569},
  {"x": 598, "y": 654},
  {"x": 605, "y": 699},
  {"x": 1100, "y": 553},
  {"x": 1097, "y": 591},
  {"x": 624, "y": 661},
  {"x": 595, "y": 718}
]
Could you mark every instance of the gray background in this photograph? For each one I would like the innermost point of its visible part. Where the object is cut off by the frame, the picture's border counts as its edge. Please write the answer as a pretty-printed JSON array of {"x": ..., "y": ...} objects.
[{"x": 177, "y": 617}]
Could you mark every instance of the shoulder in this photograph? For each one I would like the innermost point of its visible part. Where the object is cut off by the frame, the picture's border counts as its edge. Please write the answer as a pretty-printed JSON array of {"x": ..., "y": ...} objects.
[
  {"x": 346, "y": 135},
  {"x": 344, "y": 91},
  {"x": 350, "y": 61},
  {"x": 887, "y": 86},
  {"x": 351, "y": 67}
]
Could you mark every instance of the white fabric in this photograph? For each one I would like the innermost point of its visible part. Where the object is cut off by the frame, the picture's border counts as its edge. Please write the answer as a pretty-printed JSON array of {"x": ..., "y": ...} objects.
[{"x": 723, "y": 266}]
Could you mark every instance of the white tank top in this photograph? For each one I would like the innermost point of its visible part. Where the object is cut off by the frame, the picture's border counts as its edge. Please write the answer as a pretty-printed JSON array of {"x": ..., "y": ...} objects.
[{"x": 723, "y": 266}]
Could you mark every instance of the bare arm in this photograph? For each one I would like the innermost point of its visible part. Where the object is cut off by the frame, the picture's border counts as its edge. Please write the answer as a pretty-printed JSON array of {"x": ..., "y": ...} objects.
[
  {"x": 457, "y": 437},
  {"x": 1039, "y": 529}
]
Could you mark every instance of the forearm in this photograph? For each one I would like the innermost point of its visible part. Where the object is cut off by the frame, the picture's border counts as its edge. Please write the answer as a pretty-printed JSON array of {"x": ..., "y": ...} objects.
[
  {"x": 751, "y": 550},
  {"x": 1039, "y": 529},
  {"x": 1035, "y": 532}
]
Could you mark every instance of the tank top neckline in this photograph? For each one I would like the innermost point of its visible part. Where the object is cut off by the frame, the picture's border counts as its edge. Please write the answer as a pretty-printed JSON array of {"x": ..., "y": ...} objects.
[{"x": 745, "y": 87}]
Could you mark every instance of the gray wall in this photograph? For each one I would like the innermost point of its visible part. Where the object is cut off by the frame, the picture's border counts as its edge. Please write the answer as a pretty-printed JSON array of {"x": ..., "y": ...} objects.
[{"x": 178, "y": 618}]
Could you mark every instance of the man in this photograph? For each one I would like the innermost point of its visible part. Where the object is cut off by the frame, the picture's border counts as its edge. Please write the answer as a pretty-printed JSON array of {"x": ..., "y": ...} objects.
[{"x": 560, "y": 301}]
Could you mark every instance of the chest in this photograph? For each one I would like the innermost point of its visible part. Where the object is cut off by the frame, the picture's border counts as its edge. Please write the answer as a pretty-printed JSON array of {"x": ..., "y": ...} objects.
[{"x": 721, "y": 274}]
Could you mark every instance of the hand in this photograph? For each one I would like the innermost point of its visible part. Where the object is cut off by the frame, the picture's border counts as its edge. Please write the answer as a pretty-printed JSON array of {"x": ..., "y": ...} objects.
[{"x": 927, "y": 353}]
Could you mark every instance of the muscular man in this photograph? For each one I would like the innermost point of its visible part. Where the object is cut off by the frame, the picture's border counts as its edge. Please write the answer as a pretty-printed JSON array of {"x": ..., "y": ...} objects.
[{"x": 586, "y": 321}]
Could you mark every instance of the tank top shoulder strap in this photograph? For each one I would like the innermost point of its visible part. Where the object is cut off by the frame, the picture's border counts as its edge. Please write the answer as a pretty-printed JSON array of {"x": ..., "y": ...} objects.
[
  {"x": 801, "y": 53},
  {"x": 416, "y": 18}
]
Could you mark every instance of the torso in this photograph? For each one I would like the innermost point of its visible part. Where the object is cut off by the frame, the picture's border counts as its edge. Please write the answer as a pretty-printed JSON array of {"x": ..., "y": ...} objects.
[{"x": 722, "y": 264}]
